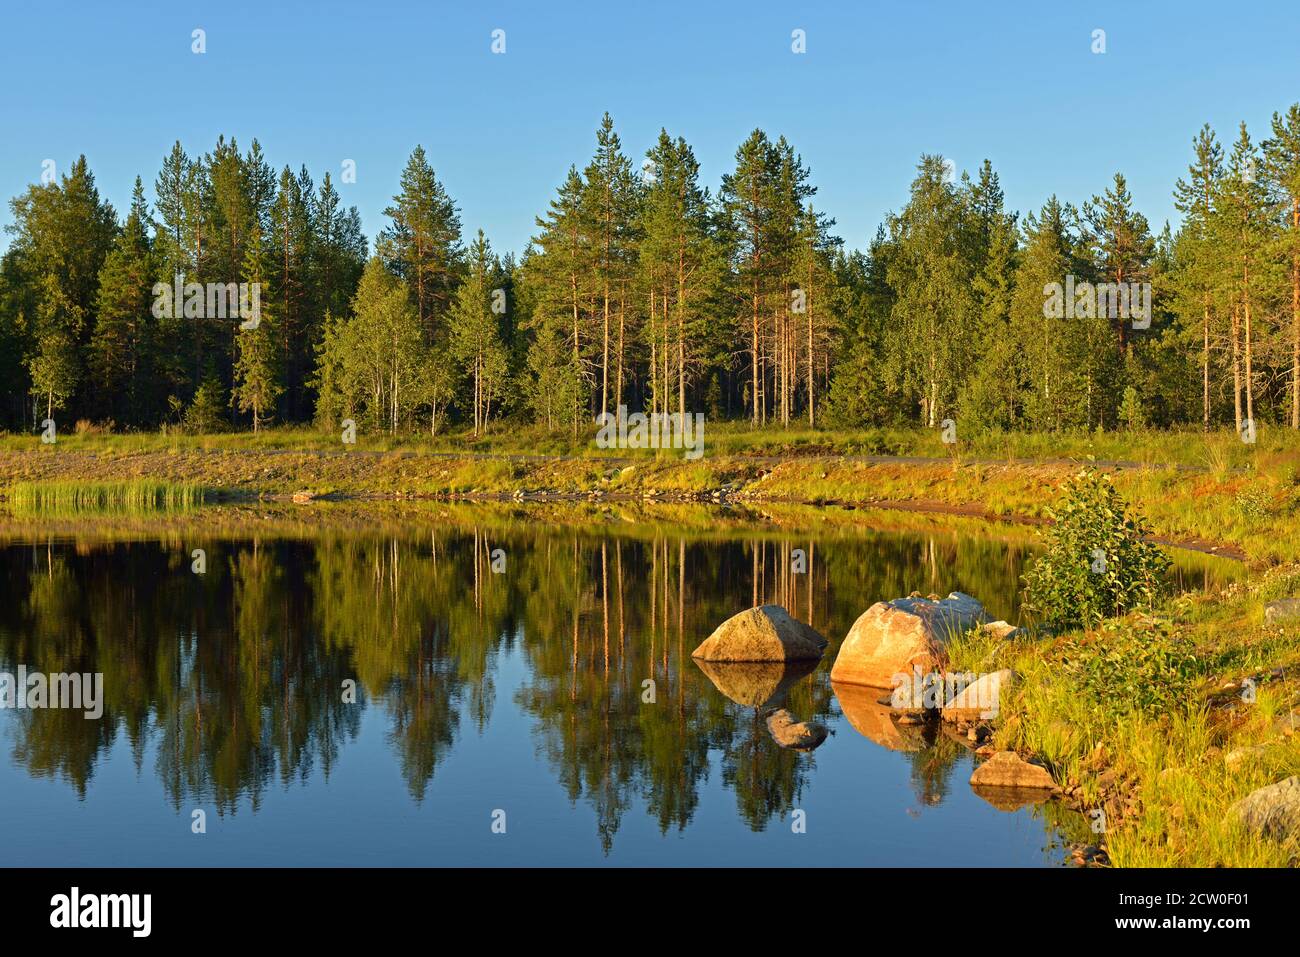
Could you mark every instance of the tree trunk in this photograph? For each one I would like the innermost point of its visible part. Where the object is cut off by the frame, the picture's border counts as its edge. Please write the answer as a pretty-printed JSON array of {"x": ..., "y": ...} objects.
[{"x": 1236, "y": 365}]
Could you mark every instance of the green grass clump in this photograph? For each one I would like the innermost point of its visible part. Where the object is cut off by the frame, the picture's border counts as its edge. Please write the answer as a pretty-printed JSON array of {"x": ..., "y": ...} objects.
[{"x": 140, "y": 495}]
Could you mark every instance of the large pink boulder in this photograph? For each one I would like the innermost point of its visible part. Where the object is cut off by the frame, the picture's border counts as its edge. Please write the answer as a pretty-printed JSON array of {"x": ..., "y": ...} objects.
[{"x": 891, "y": 637}]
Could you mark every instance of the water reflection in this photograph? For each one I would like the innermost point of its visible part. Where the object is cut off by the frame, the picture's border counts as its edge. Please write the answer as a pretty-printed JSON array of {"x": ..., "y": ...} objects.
[{"x": 235, "y": 681}]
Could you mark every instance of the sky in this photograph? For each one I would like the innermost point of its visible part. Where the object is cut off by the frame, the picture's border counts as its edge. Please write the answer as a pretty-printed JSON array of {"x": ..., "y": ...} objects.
[{"x": 879, "y": 84}]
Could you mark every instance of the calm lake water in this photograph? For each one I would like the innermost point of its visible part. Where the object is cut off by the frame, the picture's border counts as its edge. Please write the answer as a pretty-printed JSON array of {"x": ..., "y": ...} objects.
[{"x": 519, "y": 690}]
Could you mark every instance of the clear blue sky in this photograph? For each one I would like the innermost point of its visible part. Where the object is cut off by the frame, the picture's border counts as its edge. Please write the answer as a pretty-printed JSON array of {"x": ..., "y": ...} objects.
[{"x": 880, "y": 84}]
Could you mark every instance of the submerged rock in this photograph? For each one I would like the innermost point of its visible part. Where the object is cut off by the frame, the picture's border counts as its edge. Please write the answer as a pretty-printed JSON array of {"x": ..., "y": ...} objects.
[
  {"x": 800, "y": 735},
  {"x": 766, "y": 633},
  {"x": 891, "y": 637},
  {"x": 755, "y": 684},
  {"x": 1006, "y": 770},
  {"x": 1272, "y": 811}
]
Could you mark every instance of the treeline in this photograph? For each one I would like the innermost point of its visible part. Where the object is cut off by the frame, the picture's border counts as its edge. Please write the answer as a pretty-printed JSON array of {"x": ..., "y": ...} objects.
[{"x": 644, "y": 288}]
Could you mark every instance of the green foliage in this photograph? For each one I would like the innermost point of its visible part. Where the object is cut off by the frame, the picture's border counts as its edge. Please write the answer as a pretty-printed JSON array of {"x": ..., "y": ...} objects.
[
  {"x": 1253, "y": 502},
  {"x": 654, "y": 292},
  {"x": 206, "y": 412},
  {"x": 1133, "y": 666},
  {"x": 1131, "y": 413},
  {"x": 1097, "y": 562},
  {"x": 143, "y": 495}
]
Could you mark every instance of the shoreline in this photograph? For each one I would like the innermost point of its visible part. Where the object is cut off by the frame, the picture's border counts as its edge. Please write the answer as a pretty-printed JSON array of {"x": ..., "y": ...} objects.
[{"x": 1186, "y": 505}]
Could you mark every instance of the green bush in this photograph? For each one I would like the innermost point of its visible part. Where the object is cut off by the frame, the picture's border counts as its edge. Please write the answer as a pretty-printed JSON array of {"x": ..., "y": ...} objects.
[
  {"x": 1133, "y": 667},
  {"x": 206, "y": 413},
  {"x": 1097, "y": 563},
  {"x": 1252, "y": 503}
]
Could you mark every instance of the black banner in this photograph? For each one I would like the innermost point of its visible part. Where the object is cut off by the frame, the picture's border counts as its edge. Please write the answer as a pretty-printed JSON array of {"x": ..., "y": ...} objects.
[{"x": 240, "y": 905}]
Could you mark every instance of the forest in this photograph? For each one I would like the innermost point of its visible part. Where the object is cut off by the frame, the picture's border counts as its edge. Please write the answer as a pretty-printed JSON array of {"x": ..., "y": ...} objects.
[{"x": 643, "y": 286}]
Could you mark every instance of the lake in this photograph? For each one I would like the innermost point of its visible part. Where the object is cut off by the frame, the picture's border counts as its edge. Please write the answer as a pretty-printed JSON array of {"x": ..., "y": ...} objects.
[{"x": 483, "y": 685}]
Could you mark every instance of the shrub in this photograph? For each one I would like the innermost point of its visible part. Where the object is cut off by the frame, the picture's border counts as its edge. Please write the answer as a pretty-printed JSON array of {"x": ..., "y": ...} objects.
[
  {"x": 1252, "y": 503},
  {"x": 1097, "y": 562},
  {"x": 206, "y": 413},
  {"x": 1133, "y": 667}
]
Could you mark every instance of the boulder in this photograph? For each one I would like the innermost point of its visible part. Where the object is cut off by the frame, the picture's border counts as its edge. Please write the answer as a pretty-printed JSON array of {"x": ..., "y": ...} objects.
[
  {"x": 766, "y": 633},
  {"x": 1272, "y": 811},
  {"x": 800, "y": 735},
  {"x": 755, "y": 684},
  {"x": 979, "y": 699},
  {"x": 891, "y": 637},
  {"x": 1006, "y": 770}
]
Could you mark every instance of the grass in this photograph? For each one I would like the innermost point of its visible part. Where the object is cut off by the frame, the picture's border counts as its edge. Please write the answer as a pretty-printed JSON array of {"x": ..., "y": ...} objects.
[
  {"x": 74, "y": 497},
  {"x": 1158, "y": 765},
  {"x": 1219, "y": 451},
  {"x": 1212, "y": 489}
]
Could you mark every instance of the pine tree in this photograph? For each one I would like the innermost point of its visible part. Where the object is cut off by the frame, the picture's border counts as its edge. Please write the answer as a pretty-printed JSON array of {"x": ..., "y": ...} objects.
[
  {"x": 476, "y": 341},
  {"x": 992, "y": 394},
  {"x": 608, "y": 205},
  {"x": 555, "y": 269},
  {"x": 423, "y": 244},
  {"x": 749, "y": 197},
  {"x": 257, "y": 369},
  {"x": 62, "y": 233},
  {"x": 1282, "y": 161},
  {"x": 1194, "y": 279},
  {"x": 1243, "y": 232},
  {"x": 1119, "y": 240},
  {"x": 681, "y": 263},
  {"x": 121, "y": 341},
  {"x": 813, "y": 279}
]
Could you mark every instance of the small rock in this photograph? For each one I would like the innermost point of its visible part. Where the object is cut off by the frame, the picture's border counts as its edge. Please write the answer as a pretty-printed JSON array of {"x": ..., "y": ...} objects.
[
  {"x": 1273, "y": 811},
  {"x": 1003, "y": 629},
  {"x": 979, "y": 699},
  {"x": 1239, "y": 756},
  {"x": 1006, "y": 769}
]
